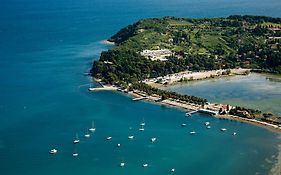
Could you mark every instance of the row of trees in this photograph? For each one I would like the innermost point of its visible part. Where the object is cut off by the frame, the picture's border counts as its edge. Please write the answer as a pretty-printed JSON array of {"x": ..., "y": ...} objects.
[{"x": 167, "y": 94}]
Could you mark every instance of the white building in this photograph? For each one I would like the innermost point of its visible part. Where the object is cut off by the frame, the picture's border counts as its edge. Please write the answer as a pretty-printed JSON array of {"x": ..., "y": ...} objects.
[{"x": 157, "y": 54}]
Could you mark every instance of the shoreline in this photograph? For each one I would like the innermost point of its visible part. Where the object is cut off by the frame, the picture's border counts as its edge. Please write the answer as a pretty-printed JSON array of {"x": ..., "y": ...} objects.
[
  {"x": 187, "y": 76},
  {"x": 107, "y": 42},
  {"x": 181, "y": 105},
  {"x": 194, "y": 107}
]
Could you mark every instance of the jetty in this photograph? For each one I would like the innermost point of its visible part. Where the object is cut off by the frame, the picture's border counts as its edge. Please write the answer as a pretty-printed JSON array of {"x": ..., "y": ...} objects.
[
  {"x": 191, "y": 112},
  {"x": 208, "y": 111},
  {"x": 110, "y": 88},
  {"x": 140, "y": 98}
]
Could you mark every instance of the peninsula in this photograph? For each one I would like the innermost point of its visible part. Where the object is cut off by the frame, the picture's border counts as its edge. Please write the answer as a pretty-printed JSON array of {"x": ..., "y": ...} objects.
[{"x": 167, "y": 50}]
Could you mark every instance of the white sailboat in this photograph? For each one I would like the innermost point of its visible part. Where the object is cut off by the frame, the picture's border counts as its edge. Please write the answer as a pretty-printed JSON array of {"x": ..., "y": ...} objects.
[
  {"x": 93, "y": 128},
  {"x": 153, "y": 139},
  {"x": 192, "y": 133},
  {"x": 145, "y": 165},
  {"x": 53, "y": 151},
  {"x": 75, "y": 153},
  {"x": 141, "y": 128},
  {"x": 76, "y": 140},
  {"x": 122, "y": 163},
  {"x": 143, "y": 122},
  {"x": 87, "y": 135}
]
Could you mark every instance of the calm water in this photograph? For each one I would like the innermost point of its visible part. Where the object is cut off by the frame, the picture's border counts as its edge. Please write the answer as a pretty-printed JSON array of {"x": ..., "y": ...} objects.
[
  {"x": 258, "y": 91},
  {"x": 45, "y": 48}
]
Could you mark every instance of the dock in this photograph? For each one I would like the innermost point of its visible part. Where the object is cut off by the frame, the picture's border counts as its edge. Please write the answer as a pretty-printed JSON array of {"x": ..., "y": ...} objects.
[
  {"x": 104, "y": 88},
  {"x": 140, "y": 98},
  {"x": 207, "y": 111},
  {"x": 191, "y": 112}
]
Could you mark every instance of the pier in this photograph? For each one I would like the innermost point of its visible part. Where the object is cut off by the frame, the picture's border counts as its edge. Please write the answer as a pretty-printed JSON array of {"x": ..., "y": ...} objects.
[
  {"x": 104, "y": 88},
  {"x": 140, "y": 98},
  {"x": 191, "y": 112},
  {"x": 207, "y": 111}
]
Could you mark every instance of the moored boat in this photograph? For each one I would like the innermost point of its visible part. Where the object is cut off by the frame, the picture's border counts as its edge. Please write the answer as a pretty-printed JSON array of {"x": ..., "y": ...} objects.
[{"x": 53, "y": 151}]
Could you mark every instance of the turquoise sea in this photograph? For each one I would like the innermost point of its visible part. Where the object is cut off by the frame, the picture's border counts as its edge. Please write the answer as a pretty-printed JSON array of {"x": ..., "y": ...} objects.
[{"x": 46, "y": 46}]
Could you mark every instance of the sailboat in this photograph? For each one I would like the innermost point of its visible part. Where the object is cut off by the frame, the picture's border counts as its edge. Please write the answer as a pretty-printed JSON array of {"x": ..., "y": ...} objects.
[
  {"x": 76, "y": 140},
  {"x": 153, "y": 139},
  {"x": 192, "y": 133},
  {"x": 145, "y": 165},
  {"x": 143, "y": 122},
  {"x": 75, "y": 153},
  {"x": 122, "y": 163},
  {"x": 130, "y": 137},
  {"x": 87, "y": 135},
  {"x": 93, "y": 129},
  {"x": 53, "y": 151},
  {"x": 141, "y": 128}
]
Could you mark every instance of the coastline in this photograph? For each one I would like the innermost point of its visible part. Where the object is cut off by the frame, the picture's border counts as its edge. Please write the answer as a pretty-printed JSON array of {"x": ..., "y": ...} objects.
[
  {"x": 187, "y": 76},
  {"x": 107, "y": 42},
  {"x": 193, "y": 107},
  {"x": 181, "y": 105}
]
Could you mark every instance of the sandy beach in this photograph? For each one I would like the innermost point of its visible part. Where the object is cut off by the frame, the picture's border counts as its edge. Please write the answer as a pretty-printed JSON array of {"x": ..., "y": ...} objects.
[{"x": 192, "y": 76}]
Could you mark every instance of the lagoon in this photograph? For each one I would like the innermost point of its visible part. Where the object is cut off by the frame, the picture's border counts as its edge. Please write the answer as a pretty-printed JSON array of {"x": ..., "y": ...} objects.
[{"x": 257, "y": 91}]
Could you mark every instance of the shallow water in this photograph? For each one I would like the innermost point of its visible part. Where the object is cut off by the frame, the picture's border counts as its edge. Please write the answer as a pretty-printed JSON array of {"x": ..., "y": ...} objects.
[
  {"x": 258, "y": 91},
  {"x": 45, "y": 49}
]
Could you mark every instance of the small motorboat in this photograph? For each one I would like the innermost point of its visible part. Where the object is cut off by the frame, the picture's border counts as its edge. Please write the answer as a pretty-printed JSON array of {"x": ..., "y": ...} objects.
[
  {"x": 108, "y": 138},
  {"x": 173, "y": 170},
  {"x": 208, "y": 127},
  {"x": 183, "y": 125},
  {"x": 207, "y": 123},
  {"x": 53, "y": 151},
  {"x": 118, "y": 145},
  {"x": 234, "y": 133},
  {"x": 223, "y": 129},
  {"x": 131, "y": 137}
]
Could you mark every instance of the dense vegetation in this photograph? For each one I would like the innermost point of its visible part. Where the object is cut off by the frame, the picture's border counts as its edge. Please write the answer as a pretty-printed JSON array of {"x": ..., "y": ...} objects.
[
  {"x": 197, "y": 44},
  {"x": 167, "y": 94},
  {"x": 254, "y": 114}
]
